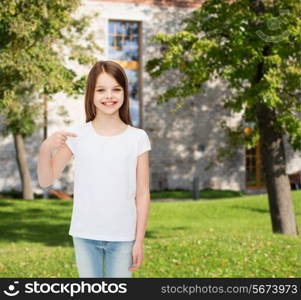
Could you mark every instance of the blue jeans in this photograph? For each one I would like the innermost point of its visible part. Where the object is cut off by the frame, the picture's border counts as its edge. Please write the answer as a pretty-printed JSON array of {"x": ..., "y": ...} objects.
[{"x": 109, "y": 259}]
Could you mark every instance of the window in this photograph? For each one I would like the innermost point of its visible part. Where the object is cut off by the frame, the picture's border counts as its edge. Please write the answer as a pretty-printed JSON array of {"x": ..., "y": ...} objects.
[
  {"x": 254, "y": 168},
  {"x": 124, "y": 49}
]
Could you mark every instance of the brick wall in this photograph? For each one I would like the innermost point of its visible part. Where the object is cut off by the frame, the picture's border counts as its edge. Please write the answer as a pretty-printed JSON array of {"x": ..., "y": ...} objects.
[
  {"x": 164, "y": 3},
  {"x": 182, "y": 143}
]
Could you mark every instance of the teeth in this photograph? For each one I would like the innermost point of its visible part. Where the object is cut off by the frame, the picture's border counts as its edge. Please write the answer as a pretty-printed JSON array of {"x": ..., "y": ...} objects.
[{"x": 110, "y": 103}]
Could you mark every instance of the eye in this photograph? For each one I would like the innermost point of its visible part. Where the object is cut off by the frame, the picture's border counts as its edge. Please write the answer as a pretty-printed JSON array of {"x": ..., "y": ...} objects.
[{"x": 100, "y": 90}]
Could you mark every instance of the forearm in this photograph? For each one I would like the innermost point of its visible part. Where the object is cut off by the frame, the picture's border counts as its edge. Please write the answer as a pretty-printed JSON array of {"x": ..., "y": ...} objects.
[
  {"x": 143, "y": 206},
  {"x": 45, "y": 172}
]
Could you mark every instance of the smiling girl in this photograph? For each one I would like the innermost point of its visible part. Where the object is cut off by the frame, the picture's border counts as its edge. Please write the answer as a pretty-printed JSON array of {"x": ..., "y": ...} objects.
[{"x": 111, "y": 180}]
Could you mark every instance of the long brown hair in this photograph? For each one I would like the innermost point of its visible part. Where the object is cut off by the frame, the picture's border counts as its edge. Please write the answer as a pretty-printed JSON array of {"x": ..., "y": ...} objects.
[{"x": 116, "y": 71}]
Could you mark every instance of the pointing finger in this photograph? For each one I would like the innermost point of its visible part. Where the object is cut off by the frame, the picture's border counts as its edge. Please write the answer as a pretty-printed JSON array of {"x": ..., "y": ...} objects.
[{"x": 66, "y": 133}]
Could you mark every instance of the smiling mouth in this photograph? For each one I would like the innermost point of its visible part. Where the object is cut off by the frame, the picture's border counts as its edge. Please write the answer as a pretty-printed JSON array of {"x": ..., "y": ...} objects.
[{"x": 109, "y": 103}]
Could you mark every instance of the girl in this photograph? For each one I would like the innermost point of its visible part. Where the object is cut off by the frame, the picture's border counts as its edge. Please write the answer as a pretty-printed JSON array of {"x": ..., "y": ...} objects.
[{"x": 111, "y": 180}]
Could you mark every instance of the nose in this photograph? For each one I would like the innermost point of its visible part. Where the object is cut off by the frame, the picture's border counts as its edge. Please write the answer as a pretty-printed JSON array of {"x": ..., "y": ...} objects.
[{"x": 109, "y": 95}]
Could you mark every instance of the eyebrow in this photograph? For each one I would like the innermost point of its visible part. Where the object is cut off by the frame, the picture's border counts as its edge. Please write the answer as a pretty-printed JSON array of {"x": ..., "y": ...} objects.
[{"x": 114, "y": 86}]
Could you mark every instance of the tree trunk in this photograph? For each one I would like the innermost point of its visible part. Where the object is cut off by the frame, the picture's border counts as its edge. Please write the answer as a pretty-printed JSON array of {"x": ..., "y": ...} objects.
[
  {"x": 274, "y": 163},
  {"x": 23, "y": 167},
  {"x": 273, "y": 153}
]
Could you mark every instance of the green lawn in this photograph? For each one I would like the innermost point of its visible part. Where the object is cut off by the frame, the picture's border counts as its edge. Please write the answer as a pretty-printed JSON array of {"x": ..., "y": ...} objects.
[
  {"x": 203, "y": 194},
  {"x": 228, "y": 237}
]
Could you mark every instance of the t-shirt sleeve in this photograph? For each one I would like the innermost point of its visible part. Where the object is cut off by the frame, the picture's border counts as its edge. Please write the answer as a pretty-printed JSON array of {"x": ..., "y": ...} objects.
[
  {"x": 71, "y": 141},
  {"x": 143, "y": 143}
]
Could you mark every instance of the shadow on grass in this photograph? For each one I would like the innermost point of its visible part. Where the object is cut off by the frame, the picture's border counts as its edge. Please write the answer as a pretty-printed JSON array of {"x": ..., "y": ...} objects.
[
  {"x": 166, "y": 232},
  {"x": 3, "y": 204},
  {"x": 204, "y": 193},
  {"x": 259, "y": 210},
  {"x": 51, "y": 226},
  {"x": 37, "y": 232}
]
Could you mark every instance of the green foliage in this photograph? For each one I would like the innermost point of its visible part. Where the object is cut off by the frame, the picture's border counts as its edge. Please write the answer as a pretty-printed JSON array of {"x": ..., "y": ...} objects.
[
  {"x": 32, "y": 62},
  {"x": 233, "y": 41}
]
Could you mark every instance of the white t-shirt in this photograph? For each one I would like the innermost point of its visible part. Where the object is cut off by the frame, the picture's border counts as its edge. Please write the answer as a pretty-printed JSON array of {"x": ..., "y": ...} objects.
[{"x": 104, "y": 205}]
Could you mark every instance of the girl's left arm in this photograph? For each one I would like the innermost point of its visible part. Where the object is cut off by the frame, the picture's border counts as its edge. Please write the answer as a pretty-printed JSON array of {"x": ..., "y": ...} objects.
[
  {"x": 142, "y": 205},
  {"x": 142, "y": 195}
]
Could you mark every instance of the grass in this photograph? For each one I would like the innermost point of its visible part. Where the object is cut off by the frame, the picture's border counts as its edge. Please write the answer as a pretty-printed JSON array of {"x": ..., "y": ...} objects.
[
  {"x": 228, "y": 237},
  {"x": 203, "y": 194},
  {"x": 178, "y": 194}
]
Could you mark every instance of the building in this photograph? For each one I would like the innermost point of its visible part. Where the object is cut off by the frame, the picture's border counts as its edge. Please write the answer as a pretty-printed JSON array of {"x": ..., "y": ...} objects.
[{"x": 182, "y": 143}]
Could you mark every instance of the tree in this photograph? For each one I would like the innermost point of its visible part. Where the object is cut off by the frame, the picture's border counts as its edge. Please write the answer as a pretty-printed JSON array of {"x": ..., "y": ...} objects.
[
  {"x": 34, "y": 38},
  {"x": 254, "y": 46}
]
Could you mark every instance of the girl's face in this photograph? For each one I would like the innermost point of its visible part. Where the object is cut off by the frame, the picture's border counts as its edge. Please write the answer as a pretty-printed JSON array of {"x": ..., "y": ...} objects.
[{"x": 108, "y": 94}]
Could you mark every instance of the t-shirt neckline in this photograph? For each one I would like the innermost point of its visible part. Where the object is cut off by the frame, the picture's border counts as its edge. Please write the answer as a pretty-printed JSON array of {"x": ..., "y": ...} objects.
[{"x": 108, "y": 136}]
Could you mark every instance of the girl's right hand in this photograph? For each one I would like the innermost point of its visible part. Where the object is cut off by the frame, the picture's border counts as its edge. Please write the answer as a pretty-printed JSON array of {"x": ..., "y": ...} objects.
[{"x": 58, "y": 139}]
